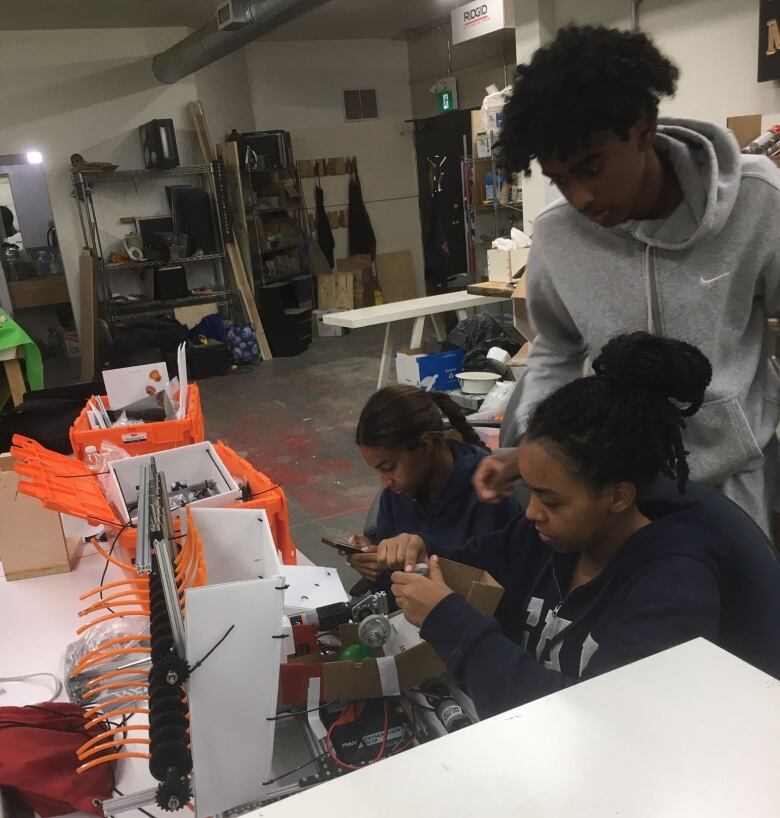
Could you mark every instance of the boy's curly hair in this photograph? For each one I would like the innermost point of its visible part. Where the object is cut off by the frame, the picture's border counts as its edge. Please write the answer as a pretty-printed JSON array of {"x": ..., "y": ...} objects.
[{"x": 589, "y": 79}]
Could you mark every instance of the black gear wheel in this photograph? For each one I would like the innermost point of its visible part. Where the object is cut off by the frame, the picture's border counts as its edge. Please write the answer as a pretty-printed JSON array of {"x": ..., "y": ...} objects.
[
  {"x": 172, "y": 671},
  {"x": 173, "y": 795}
]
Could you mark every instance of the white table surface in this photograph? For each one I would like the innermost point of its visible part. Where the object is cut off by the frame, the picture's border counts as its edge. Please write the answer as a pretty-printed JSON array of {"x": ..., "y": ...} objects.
[
  {"x": 689, "y": 733},
  {"x": 403, "y": 310}
]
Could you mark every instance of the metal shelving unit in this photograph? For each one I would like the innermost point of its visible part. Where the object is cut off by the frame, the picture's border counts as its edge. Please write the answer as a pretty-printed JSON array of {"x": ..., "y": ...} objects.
[
  {"x": 115, "y": 308},
  {"x": 480, "y": 228},
  {"x": 262, "y": 182}
]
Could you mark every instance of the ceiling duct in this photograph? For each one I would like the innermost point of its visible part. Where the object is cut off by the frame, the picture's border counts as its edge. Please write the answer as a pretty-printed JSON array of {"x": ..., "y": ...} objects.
[{"x": 208, "y": 44}]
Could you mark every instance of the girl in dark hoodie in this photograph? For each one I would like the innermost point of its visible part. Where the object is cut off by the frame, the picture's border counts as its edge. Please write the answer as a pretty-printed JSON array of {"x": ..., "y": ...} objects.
[
  {"x": 611, "y": 562},
  {"x": 425, "y": 474}
]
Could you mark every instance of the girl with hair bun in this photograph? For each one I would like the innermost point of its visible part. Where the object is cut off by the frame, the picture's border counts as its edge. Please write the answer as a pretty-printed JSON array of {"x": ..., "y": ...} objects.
[
  {"x": 617, "y": 556},
  {"x": 425, "y": 474}
]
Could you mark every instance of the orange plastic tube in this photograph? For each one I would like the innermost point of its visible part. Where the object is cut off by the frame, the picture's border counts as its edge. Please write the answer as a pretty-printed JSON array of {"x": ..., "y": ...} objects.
[
  {"x": 128, "y": 711},
  {"x": 106, "y": 556},
  {"x": 114, "y": 686},
  {"x": 99, "y": 588},
  {"x": 111, "y": 605},
  {"x": 131, "y": 593},
  {"x": 113, "y": 745},
  {"x": 96, "y": 657},
  {"x": 113, "y": 757},
  {"x": 112, "y": 674},
  {"x": 118, "y": 700},
  {"x": 141, "y": 612},
  {"x": 108, "y": 733}
]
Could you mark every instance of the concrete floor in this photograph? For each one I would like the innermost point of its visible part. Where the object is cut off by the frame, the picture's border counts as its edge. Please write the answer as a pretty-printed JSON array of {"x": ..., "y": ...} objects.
[{"x": 294, "y": 419}]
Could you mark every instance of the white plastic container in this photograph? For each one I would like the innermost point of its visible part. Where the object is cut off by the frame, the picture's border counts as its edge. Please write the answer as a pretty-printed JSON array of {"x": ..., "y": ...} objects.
[
  {"x": 477, "y": 383},
  {"x": 187, "y": 464}
]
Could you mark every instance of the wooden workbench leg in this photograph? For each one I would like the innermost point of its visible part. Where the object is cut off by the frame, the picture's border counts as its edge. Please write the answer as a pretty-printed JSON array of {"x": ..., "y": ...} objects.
[
  {"x": 417, "y": 332},
  {"x": 438, "y": 326},
  {"x": 13, "y": 371},
  {"x": 387, "y": 359}
]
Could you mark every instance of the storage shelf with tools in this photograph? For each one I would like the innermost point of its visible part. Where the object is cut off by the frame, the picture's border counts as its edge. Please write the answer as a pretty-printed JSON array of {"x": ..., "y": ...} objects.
[{"x": 192, "y": 223}]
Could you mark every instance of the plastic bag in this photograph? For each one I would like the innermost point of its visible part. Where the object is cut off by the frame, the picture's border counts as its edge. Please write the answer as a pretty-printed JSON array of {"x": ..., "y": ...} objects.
[
  {"x": 93, "y": 639},
  {"x": 495, "y": 403},
  {"x": 475, "y": 336}
]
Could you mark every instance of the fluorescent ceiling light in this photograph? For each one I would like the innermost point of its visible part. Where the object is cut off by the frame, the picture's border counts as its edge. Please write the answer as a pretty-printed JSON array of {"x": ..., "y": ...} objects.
[{"x": 34, "y": 157}]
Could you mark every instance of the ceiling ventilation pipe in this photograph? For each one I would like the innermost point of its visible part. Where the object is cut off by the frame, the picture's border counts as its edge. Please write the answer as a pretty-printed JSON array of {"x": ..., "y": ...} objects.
[{"x": 248, "y": 20}]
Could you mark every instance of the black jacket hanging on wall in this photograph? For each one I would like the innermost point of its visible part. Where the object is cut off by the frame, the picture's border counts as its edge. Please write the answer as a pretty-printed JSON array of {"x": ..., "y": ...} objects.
[
  {"x": 361, "y": 233},
  {"x": 324, "y": 233}
]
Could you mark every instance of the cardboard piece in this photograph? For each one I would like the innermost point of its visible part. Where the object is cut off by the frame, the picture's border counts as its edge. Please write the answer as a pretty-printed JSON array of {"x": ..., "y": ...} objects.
[
  {"x": 32, "y": 543},
  {"x": 745, "y": 128},
  {"x": 305, "y": 168},
  {"x": 346, "y": 290},
  {"x": 503, "y": 265},
  {"x": 415, "y": 665},
  {"x": 429, "y": 372},
  {"x": 395, "y": 272},
  {"x": 133, "y": 383}
]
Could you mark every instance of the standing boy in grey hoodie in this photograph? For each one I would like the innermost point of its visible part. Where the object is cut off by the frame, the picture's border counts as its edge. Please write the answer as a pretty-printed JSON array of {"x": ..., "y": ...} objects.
[{"x": 665, "y": 227}]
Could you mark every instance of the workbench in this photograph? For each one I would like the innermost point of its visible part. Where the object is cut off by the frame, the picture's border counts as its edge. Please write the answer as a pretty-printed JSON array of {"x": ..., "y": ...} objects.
[
  {"x": 515, "y": 292},
  {"x": 417, "y": 309},
  {"x": 691, "y": 732}
]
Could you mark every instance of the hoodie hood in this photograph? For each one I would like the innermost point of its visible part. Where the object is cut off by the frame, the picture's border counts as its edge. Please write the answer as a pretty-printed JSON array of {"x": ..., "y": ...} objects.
[{"x": 707, "y": 162}]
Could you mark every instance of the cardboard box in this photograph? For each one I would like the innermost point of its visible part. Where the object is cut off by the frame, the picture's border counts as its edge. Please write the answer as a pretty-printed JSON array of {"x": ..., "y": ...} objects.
[
  {"x": 750, "y": 127},
  {"x": 323, "y": 330},
  {"x": 415, "y": 662},
  {"x": 504, "y": 265},
  {"x": 32, "y": 543},
  {"x": 433, "y": 373}
]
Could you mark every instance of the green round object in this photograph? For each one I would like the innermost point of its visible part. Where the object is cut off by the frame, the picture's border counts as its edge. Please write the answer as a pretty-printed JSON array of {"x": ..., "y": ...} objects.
[{"x": 357, "y": 653}]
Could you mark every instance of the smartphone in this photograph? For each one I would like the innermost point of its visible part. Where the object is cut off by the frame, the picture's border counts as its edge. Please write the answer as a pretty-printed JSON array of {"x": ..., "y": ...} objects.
[{"x": 342, "y": 546}]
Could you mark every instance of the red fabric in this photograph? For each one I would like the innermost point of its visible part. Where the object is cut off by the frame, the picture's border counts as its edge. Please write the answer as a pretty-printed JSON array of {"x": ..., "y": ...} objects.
[{"x": 38, "y": 746}]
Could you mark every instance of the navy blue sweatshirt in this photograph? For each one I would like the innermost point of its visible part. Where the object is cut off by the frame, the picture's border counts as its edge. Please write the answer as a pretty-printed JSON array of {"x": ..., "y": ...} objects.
[
  {"x": 454, "y": 516},
  {"x": 700, "y": 568}
]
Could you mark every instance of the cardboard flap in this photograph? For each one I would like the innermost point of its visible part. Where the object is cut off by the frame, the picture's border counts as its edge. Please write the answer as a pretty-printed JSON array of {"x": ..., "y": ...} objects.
[
  {"x": 61, "y": 483},
  {"x": 476, "y": 586}
]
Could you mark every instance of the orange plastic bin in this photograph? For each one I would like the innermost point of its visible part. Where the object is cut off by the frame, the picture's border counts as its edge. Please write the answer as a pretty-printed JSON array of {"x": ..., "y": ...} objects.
[{"x": 143, "y": 438}]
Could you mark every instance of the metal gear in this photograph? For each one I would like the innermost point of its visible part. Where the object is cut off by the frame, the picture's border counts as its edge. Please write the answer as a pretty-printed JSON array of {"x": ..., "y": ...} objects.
[{"x": 173, "y": 795}]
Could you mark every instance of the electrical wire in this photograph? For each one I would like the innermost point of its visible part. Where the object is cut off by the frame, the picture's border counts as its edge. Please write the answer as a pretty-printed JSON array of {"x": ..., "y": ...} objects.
[
  {"x": 224, "y": 637},
  {"x": 108, "y": 557},
  {"x": 332, "y": 751},
  {"x": 292, "y": 713},
  {"x": 27, "y": 676},
  {"x": 295, "y": 769}
]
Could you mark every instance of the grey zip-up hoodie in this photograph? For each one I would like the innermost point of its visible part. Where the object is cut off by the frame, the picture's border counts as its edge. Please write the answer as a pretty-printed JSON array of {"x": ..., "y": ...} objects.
[{"x": 708, "y": 274}]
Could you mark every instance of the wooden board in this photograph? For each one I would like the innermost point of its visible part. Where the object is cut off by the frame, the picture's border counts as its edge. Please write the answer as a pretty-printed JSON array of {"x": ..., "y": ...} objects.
[
  {"x": 89, "y": 313},
  {"x": 335, "y": 291},
  {"x": 229, "y": 153},
  {"x": 494, "y": 288},
  {"x": 13, "y": 374},
  {"x": 33, "y": 543},
  {"x": 745, "y": 128},
  {"x": 396, "y": 276},
  {"x": 39, "y": 292}
]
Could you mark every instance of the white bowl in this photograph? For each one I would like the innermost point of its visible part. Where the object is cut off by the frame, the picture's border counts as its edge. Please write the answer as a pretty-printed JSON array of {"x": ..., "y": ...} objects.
[{"x": 477, "y": 383}]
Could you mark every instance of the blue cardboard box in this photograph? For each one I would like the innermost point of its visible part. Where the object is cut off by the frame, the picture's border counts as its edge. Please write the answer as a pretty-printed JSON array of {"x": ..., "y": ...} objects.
[{"x": 433, "y": 373}]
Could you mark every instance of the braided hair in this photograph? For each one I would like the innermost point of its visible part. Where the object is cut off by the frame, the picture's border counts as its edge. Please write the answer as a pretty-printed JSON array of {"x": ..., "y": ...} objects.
[
  {"x": 625, "y": 422},
  {"x": 588, "y": 79},
  {"x": 396, "y": 417}
]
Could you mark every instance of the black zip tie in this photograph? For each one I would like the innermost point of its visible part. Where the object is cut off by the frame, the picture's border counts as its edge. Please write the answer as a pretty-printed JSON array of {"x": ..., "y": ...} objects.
[
  {"x": 198, "y": 664},
  {"x": 282, "y": 587},
  {"x": 293, "y": 713},
  {"x": 281, "y": 636}
]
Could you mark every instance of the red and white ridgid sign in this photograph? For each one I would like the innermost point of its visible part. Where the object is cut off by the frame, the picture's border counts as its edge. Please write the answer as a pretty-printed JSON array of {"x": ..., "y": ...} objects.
[{"x": 481, "y": 17}]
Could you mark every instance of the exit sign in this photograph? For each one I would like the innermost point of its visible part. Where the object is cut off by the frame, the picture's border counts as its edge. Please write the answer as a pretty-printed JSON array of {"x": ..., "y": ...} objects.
[{"x": 446, "y": 100}]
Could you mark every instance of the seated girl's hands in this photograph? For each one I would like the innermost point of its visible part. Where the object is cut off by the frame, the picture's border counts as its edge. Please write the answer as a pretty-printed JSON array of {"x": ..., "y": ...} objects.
[
  {"x": 366, "y": 563},
  {"x": 416, "y": 595},
  {"x": 402, "y": 552}
]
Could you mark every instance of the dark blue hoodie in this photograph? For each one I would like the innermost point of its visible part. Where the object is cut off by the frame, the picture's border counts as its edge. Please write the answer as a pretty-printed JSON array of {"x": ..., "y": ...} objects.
[
  {"x": 454, "y": 516},
  {"x": 701, "y": 568}
]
